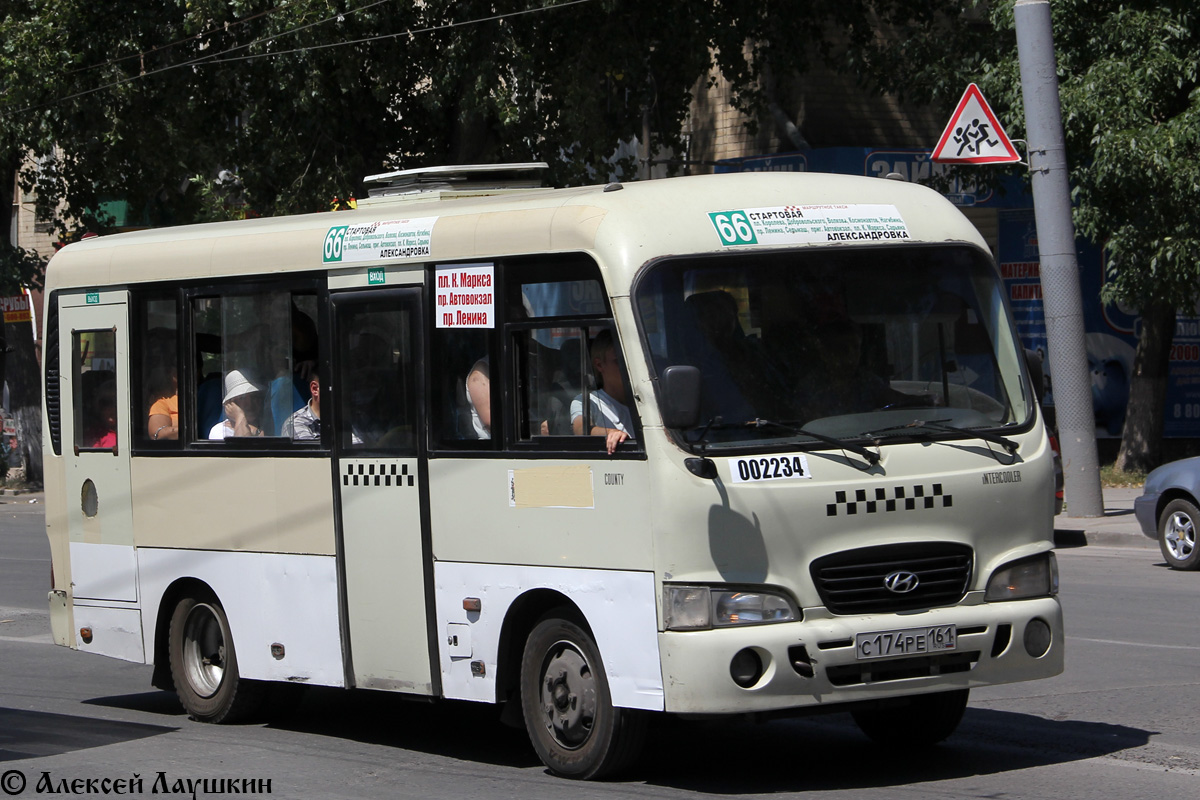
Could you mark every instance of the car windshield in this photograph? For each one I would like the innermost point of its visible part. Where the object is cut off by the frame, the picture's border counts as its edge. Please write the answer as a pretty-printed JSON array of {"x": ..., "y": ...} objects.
[{"x": 850, "y": 344}]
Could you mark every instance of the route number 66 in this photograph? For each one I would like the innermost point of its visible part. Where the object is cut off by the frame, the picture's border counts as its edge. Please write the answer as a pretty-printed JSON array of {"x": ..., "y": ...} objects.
[
  {"x": 733, "y": 227},
  {"x": 333, "y": 243}
]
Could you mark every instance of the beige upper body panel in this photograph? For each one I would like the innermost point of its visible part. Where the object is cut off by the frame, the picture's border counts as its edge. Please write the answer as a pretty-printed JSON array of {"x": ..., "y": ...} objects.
[{"x": 623, "y": 228}]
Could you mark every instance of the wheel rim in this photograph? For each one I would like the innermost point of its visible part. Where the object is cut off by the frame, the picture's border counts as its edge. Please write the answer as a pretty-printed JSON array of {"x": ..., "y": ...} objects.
[
  {"x": 568, "y": 695},
  {"x": 1180, "y": 535},
  {"x": 204, "y": 650}
]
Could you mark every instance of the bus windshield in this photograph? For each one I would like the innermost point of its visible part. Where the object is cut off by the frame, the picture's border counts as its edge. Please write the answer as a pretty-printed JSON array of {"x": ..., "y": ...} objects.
[{"x": 854, "y": 344}]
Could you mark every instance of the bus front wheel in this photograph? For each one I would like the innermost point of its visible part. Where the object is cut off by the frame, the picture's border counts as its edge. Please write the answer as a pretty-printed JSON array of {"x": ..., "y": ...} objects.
[
  {"x": 923, "y": 722},
  {"x": 568, "y": 711},
  {"x": 204, "y": 663}
]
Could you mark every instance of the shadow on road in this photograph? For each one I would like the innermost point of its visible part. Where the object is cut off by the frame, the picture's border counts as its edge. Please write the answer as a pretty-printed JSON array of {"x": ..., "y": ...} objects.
[
  {"x": 36, "y": 734},
  {"x": 165, "y": 703},
  {"x": 732, "y": 756},
  {"x": 830, "y": 753},
  {"x": 726, "y": 756},
  {"x": 448, "y": 728}
]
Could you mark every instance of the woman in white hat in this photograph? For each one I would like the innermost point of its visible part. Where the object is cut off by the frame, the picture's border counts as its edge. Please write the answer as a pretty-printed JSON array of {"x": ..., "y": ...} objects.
[{"x": 243, "y": 404}]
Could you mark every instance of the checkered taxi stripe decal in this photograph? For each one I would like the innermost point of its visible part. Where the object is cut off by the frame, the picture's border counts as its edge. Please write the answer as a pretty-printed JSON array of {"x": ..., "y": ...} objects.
[
  {"x": 376, "y": 474},
  {"x": 897, "y": 498}
]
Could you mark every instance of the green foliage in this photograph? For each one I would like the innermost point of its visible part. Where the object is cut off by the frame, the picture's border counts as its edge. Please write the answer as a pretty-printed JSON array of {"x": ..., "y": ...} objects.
[
  {"x": 301, "y": 99},
  {"x": 1131, "y": 116},
  {"x": 19, "y": 267}
]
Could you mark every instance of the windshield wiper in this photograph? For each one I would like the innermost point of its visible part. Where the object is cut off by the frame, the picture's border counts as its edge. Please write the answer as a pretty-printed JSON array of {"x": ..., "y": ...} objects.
[
  {"x": 871, "y": 457},
  {"x": 940, "y": 425},
  {"x": 715, "y": 422}
]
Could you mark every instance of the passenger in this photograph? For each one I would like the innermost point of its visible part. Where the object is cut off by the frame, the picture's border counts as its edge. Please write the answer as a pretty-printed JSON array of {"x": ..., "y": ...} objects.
[
  {"x": 305, "y": 424},
  {"x": 243, "y": 408},
  {"x": 163, "y": 419},
  {"x": 104, "y": 418},
  {"x": 293, "y": 371},
  {"x": 610, "y": 415},
  {"x": 479, "y": 398}
]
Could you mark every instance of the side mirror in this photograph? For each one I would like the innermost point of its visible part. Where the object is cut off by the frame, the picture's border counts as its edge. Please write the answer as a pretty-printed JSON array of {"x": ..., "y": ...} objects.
[
  {"x": 680, "y": 387},
  {"x": 1033, "y": 360}
]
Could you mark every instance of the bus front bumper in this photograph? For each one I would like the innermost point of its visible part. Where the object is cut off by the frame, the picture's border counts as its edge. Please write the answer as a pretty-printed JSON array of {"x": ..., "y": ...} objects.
[{"x": 815, "y": 662}]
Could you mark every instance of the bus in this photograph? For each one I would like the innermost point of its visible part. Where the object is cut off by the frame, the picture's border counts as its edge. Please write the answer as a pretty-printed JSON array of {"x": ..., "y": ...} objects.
[{"x": 743, "y": 444}]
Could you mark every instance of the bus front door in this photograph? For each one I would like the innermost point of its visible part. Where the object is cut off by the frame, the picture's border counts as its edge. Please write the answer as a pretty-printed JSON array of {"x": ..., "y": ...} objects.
[{"x": 384, "y": 545}]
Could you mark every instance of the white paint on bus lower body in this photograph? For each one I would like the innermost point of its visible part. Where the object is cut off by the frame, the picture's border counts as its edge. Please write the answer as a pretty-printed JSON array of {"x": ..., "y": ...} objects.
[
  {"x": 269, "y": 598},
  {"x": 619, "y": 607}
]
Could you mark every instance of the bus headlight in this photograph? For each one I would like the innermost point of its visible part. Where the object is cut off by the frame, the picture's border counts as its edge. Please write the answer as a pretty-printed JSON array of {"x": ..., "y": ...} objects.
[
  {"x": 693, "y": 608},
  {"x": 1029, "y": 577}
]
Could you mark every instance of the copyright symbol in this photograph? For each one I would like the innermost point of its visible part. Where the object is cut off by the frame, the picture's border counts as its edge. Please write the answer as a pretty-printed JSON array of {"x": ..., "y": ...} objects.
[{"x": 12, "y": 782}]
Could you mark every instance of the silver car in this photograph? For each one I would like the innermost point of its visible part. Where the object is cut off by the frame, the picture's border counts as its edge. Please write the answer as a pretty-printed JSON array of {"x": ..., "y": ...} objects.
[{"x": 1168, "y": 511}]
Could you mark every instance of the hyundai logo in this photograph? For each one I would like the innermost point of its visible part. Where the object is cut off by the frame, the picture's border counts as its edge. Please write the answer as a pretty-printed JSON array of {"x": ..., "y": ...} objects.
[{"x": 901, "y": 582}]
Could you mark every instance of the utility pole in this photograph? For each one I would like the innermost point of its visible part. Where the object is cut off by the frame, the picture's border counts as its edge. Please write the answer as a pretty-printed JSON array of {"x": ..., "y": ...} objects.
[{"x": 1060, "y": 271}]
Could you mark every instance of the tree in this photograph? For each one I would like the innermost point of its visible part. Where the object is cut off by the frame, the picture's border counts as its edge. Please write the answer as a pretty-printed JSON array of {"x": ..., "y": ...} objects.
[
  {"x": 301, "y": 99},
  {"x": 1128, "y": 74},
  {"x": 18, "y": 359},
  {"x": 192, "y": 110}
]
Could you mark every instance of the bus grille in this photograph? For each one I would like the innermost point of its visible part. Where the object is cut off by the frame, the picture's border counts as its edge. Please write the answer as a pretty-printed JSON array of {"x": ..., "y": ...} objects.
[
  {"x": 852, "y": 582},
  {"x": 901, "y": 668}
]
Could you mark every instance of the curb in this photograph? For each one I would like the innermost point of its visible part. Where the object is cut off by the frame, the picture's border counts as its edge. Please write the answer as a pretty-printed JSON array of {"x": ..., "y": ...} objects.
[{"x": 1069, "y": 538}]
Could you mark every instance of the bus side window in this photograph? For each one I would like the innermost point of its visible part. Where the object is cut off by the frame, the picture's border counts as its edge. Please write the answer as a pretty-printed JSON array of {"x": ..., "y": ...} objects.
[
  {"x": 551, "y": 374},
  {"x": 157, "y": 393},
  {"x": 258, "y": 349},
  {"x": 462, "y": 387},
  {"x": 95, "y": 398}
]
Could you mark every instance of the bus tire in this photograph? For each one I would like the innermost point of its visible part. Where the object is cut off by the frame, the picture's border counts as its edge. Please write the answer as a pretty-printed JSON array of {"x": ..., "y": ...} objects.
[
  {"x": 926, "y": 720},
  {"x": 204, "y": 663},
  {"x": 568, "y": 711}
]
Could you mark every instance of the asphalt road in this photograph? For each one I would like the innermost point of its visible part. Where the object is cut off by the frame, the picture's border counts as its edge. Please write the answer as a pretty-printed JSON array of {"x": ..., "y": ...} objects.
[{"x": 1121, "y": 722}]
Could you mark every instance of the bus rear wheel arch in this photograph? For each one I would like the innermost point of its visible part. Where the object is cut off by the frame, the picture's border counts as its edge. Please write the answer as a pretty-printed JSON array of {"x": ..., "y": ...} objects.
[
  {"x": 569, "y": 715},
  {"x": 204, "y": 662}
]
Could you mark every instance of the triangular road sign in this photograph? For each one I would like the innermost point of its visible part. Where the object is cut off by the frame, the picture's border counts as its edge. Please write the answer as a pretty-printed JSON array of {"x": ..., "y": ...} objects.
[{"x": 974, "y": 135}]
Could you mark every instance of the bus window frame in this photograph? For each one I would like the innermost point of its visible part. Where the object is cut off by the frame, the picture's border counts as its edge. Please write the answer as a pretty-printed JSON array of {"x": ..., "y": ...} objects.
[
  {"x": 678, "y": 436},
  {"x": 315, "y": 283},
  {"x": 534, "y": 268},
  {"x": 79, "y": 403},
  {"x": 576, "y": 444}
]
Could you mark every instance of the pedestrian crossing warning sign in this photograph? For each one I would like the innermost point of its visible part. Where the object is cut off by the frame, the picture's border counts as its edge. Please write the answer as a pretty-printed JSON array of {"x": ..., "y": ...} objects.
[{"x": 974, "y": 135}]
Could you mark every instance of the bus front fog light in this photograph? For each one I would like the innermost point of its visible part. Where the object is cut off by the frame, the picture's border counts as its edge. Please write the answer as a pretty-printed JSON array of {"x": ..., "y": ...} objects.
[
  {"x": 746, "y": 668},
  {"x": 1037, "y": 638}
]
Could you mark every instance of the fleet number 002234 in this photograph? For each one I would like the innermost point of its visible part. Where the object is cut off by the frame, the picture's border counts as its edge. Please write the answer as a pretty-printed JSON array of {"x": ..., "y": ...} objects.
[{"x": 768, "y": 468}]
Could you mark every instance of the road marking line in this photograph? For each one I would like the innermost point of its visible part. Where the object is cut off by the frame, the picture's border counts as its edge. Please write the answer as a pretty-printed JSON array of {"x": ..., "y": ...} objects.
[{"x": 1134, "y": 644}]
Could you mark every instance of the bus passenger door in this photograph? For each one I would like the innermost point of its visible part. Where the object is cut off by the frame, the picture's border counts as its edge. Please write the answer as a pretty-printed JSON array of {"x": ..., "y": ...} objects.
[
  {"x": 94, "y": 391},
  {"x": 385, "y": 553}
]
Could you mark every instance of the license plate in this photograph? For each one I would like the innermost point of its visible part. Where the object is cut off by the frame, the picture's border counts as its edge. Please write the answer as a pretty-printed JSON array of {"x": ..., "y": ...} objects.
[{"x": 905, "y": 642}]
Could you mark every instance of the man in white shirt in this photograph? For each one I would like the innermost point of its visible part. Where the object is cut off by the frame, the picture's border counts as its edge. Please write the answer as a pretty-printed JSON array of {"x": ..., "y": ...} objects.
[
  {"x": 305, "y": 423},
  {"x": 610, "y": 415}
]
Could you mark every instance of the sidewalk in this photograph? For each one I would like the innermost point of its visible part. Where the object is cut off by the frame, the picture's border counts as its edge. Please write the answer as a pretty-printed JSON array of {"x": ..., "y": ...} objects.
[{"x": 1117, "y": 528}]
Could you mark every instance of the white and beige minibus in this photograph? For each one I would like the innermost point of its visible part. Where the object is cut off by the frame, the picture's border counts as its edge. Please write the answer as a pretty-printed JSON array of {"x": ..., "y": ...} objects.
[{"x": 731, "y": 444}]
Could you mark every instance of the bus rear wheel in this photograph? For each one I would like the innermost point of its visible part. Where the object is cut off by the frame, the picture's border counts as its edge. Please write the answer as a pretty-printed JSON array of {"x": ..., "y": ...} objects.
[
  {"x": 568, "y": 711},
  {"x": 923, "y": 722},
  {"x": 204, "y": 663}
]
